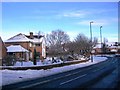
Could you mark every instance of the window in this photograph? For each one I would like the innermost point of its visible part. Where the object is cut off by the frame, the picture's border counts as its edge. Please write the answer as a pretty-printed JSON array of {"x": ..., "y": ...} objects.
[
  {"x": 37, "y": 44},
  {"x": 30, "y": 44}
]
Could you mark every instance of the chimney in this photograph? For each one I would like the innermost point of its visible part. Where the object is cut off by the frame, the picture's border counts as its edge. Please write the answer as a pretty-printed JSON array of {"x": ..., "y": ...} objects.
[{"x": 31, "y": 35}]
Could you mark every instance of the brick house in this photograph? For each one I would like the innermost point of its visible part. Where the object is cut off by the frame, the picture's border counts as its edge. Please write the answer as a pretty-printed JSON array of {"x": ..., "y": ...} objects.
[
  {"x": 3, "y": 50},
  {"x": 28, "y": 43}
]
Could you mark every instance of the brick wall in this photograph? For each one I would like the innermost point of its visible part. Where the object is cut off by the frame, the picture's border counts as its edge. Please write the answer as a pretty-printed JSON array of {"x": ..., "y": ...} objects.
[
  {"x": 3, "y": 51},
  {"x": 27, "y": 46}
]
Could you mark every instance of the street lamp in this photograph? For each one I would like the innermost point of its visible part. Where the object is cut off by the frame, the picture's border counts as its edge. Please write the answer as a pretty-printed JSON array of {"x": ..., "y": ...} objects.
[
  {"x": 101, "y": 37},
  {"x": 91, "y": 39},
  {"x": 91, "y": 30}
]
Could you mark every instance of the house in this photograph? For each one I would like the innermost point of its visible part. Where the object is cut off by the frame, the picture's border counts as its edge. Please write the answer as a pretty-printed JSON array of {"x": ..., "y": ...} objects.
[
  {"x": 3, "y": 51},
  {"x": 23, "y": 46},
  {"x": 97, "y": 49},
  {"x": 17, "y": 50},
  {"x": 112, "y": 47}
]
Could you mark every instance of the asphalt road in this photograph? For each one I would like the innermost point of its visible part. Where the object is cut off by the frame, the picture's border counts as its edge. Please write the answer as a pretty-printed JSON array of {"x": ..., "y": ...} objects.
[{"x": 87, "y": 77}]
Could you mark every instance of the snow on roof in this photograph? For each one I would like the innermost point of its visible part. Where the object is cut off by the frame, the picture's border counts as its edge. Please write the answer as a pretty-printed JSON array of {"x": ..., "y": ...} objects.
[
  {"x": 23, "y": 38},
  {"x": 16, "y": 48},
  {"x": 36, "y": 40},
  {"x": 97, "y": 46},
  {"x": 18, "y": 38},
  {"x": 113, "y": 47},
  {"x": 110, "y": 43}
]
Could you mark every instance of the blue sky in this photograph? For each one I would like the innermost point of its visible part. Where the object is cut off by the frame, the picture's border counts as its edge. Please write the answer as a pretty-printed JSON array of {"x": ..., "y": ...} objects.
[{"x": 71, "y": 17}]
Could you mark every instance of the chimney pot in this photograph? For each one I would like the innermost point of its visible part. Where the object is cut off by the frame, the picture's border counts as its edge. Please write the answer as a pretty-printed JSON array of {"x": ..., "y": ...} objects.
[{"x": 31, "y": 35}]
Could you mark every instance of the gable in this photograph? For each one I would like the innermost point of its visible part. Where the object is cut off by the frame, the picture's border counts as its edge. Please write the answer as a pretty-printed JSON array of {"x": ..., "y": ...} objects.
[{"x": 18, "y": 38}]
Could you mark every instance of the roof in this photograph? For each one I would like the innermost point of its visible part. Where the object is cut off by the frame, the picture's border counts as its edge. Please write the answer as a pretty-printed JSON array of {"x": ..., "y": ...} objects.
[
  {"x": 97, "y": 46},
  {"x": 16, "y": 48},
  {"x": 36, "y": 40},
  {"x": 24, "y": 38},
  {"x": 35, "y": 36},
  {"x": 18, "y": 38},
  {"x": 113, "y": 47}
]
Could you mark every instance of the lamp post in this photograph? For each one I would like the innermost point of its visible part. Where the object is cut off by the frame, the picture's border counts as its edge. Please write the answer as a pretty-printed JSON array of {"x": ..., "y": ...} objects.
[
  {"x": 91, "y": 39},
  {"x": 101, "y": 37}
]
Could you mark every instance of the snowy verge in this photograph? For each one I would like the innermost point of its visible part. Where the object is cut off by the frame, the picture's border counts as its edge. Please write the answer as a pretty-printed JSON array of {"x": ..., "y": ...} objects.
[
  {"x": 13, "y": 76},
  {"x": 46, "y": 66}
]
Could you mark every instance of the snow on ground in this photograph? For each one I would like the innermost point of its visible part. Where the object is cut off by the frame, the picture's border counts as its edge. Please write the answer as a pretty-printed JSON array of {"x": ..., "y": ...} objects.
[
  {"x": 47, "y": 61},
  {"x": 13, "y": 76}
]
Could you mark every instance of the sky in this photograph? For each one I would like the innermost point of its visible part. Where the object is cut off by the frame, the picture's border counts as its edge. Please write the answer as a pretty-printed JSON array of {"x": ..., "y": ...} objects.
[{"x": 71, "y": 17}]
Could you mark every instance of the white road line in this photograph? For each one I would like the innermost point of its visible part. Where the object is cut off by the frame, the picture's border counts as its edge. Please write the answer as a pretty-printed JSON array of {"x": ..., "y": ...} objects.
[
  {"x": 73, "y": 79},
  {"x": 32, "y": 85},
  {"x": 96, "y": 70}
]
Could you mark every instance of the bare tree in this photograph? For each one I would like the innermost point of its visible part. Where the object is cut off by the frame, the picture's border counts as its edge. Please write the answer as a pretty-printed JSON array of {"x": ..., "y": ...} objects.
[
  {"x": 81, "y": 45},
  {"x": 55, "y": 40}
]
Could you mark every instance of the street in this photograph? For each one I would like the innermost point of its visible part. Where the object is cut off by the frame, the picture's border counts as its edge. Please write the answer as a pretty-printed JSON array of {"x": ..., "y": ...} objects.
[{"x": 87, "y": 77}]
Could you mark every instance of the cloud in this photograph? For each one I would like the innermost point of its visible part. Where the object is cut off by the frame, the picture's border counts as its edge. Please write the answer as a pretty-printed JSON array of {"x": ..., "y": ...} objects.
[
  {"x": 98, "y": 22},
  {"x": 74, "y": 14},
  {"x": 82, "y": 13}
]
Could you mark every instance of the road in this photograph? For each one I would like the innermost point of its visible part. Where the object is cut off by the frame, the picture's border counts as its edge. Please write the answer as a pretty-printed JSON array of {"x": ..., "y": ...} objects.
[{"x": 88, "y": 77}]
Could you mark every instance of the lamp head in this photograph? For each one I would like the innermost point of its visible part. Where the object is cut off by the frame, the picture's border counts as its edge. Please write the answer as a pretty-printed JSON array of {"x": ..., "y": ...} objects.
[{"x": 91, "y": 22}]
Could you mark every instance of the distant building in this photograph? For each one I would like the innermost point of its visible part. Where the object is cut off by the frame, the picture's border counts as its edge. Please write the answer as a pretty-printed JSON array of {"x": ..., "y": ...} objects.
[
  {"x": 97, "y": 49},
  {"x": 3, "y": 51},
  {"x": 112, "y": 47},
  {"x": 22, "y": 46}
]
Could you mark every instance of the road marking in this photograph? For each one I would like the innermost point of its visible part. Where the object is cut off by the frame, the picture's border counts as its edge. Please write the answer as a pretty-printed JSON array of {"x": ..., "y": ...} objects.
[
  {"x": 73, "y": 79},
  {"x": 46, "y": 81},
  {"x": 32, "y": 85},
  {"x": 96, "y": 70}
]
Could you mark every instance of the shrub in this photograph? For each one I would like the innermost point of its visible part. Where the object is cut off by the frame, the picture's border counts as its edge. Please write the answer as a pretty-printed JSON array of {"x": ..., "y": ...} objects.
[{"x": 9, "y": 60}]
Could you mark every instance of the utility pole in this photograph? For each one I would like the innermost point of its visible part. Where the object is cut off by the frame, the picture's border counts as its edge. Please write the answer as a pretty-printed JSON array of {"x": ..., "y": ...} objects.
[
  {"x": 91, "y": 40},
  {"x": 101, "y": 37}
]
